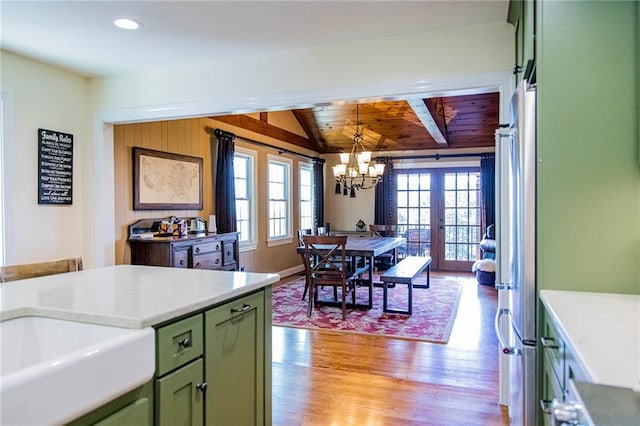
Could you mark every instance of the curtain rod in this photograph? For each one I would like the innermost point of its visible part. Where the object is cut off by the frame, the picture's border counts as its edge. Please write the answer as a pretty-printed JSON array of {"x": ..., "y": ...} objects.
[
  {"x": 220, "y": 132},
  {"x": 437, "y": 156}
]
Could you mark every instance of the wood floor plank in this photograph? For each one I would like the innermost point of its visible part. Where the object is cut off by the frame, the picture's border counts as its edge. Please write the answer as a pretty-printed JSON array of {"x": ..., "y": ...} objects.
[{"x": 328, "y": 378}]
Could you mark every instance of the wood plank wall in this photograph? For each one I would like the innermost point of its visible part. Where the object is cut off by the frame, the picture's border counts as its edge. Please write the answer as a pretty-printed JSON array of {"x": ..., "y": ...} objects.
[
  {"x": 186, "y": 137},
  {"x": 189, "y": 137}
]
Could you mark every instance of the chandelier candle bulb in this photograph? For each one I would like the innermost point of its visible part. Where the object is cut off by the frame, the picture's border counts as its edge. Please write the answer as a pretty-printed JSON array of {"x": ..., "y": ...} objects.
[{"x": 356, "y": 171}]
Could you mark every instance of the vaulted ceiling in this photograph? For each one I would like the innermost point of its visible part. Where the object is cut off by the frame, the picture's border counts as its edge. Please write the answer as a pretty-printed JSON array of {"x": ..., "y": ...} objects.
[{"x": 452, "y": 122}]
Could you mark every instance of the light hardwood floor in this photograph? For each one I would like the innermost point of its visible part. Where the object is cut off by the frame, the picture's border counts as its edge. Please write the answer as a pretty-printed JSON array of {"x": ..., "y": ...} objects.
[{"x": 324, "y": 378}]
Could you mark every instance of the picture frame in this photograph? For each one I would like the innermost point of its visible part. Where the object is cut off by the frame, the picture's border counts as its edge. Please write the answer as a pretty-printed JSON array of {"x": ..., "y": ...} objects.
[{"x": 166, "y": 181}]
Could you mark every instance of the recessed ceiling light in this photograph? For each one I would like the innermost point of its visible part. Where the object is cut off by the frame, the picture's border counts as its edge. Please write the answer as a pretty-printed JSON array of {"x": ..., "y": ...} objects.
[{"x": 127, "y": 24}]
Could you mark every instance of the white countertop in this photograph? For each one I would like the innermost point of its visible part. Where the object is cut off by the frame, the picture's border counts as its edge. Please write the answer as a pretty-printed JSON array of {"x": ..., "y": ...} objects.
[
  {"x": 602, "y": 330},
  {"x": 126, "y": 295}
]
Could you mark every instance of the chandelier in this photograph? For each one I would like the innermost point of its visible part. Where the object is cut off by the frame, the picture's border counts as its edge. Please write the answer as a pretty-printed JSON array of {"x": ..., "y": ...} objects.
[{"x": 356, "y": 170}]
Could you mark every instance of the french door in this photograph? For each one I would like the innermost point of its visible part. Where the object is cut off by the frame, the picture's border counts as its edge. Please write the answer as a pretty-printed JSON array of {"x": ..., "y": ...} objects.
[{"x": 438, "y": 212}]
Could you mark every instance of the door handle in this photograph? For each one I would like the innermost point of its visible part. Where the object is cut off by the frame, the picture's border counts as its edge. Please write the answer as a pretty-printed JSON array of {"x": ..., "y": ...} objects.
[
  {"x": 507, "y": 350},
  {"x": 245, "y": 308}
]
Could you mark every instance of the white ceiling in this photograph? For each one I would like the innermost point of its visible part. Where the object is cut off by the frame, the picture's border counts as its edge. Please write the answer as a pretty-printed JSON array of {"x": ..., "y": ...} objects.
[{"x": 80, "y": 35}]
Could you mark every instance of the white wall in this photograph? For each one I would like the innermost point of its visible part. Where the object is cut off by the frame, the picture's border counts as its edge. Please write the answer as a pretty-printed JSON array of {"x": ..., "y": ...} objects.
[
  {"x": 479, "y": 56},
  {"x": 50, "y": 98},
  {"x": 380, "y": 67},
  {"x": 426, "y": 63}
]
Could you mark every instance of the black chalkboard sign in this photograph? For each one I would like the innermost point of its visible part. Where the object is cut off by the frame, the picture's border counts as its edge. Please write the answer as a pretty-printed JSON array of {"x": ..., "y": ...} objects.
[{"x": 55, "y": 167}]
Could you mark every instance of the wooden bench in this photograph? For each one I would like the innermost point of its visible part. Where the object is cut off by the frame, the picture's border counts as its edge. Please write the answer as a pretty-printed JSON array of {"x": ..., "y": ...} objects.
[{"x": 405, "y": 272}]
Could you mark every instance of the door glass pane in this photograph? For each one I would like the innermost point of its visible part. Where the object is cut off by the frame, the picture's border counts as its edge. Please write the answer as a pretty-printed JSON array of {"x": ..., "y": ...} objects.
[
  {"x": 450, "y": 181},
  {"x": 462, "y": 218},
  {"x": 450, "y": 198},
  {"x": 414, "y": 200},
  {"x": 463, "y": 198},
  {"x": 414, "y": 211}
]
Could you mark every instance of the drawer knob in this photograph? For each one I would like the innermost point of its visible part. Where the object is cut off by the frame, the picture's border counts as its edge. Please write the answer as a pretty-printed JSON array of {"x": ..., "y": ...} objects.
[
  {"x": 181, "y": 262},
  {"x": 217, "y": 261},
  {"x": 185, "y": 343},
  {"x": 197, "y": 249},
  {"x": 202, "y": 387}
]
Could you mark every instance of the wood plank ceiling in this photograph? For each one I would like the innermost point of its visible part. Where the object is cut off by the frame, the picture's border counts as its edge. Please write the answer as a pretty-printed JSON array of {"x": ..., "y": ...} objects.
[{"x": 453, "y": 122}]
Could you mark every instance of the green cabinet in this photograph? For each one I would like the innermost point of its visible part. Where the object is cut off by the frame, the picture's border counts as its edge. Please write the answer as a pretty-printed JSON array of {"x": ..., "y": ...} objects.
[
  {"x": 521, "y": 15},
  {"x": 559, "y": 367},
  {"x": 180, "y": 396},
  {"x": 588, "y": 183},
  {"x": 234, "y": 361},
  {"x": 135, "y": 408},
  {"x": 214, "y": 366},
  {"x": 136, "y": 413}
]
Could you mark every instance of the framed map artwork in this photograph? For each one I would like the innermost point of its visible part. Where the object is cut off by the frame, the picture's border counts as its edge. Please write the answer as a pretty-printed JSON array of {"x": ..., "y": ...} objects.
[{"x": 166, "y": 181}]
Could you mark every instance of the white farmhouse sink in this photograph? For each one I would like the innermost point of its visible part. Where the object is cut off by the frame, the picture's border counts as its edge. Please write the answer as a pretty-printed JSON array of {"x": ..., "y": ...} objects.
[{"x": 52, "y": 371}]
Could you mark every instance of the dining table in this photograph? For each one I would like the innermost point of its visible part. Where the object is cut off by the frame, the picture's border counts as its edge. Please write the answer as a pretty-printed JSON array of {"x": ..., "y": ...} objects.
[{"x": 362, "y": 250}]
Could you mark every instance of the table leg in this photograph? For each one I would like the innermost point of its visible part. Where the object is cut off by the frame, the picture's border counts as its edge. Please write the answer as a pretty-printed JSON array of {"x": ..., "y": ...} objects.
[{"x": 371, "y": 261}]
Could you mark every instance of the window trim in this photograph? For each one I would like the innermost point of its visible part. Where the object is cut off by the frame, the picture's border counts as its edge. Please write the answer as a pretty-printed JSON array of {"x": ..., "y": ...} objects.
[
  {"x": 252, "y": 243},
  {"x": 7, "y": 146},
  {"x": 306, "y": 167},
  {"x": 287, "y": 238}
]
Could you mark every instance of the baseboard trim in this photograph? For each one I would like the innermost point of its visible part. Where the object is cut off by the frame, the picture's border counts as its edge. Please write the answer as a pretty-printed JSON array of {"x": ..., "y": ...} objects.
[{"x": 291, "y": 271}]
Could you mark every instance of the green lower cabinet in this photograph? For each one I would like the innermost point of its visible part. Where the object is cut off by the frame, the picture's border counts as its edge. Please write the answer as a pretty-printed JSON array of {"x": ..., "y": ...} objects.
[
  {"x": 180, "y": 396},
  {"x": 234, "y": 362},
  {"x": 212, "y": 367},
  {"x": 136, "y": 413},
  {"x": 135, "y": 408}
]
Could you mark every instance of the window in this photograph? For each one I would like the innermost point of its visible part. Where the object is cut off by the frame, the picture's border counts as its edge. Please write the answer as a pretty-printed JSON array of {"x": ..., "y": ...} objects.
[
  {"x": 279, "y": 178},
  {"x": 306, "y": 196},
  {"x": 244, "y": 161}
]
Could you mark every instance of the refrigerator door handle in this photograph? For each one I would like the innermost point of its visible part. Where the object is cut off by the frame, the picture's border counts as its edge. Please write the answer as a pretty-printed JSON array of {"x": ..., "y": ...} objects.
[{"x": 507, "y": 350}]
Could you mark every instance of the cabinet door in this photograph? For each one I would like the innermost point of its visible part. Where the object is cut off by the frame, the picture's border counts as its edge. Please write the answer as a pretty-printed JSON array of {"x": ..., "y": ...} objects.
[
  {"x": 234, "y": 362},
  {"x": 136, "y": 413},
  {"x": 179, "y": 399}
]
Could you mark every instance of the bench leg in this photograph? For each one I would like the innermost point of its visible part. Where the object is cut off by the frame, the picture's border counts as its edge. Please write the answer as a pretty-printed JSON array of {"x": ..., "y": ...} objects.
[
  {"x": 384, "y": 296},
  {"x": 428, "y": 269},
  {"x": 408, "y": 311}
]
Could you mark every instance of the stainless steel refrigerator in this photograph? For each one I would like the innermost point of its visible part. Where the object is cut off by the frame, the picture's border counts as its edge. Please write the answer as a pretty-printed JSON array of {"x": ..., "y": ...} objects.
[{"x": 515, "y": 320}]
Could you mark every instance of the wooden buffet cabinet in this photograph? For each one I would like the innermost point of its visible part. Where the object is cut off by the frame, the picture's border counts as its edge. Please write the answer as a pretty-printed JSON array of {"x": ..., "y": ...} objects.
[{"x": 198, "y": 251}]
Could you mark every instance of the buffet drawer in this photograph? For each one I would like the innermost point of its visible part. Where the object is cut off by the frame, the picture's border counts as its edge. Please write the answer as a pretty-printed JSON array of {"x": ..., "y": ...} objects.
[
  {"x": 207, "y": 247},
  {"x": 207, "y": 261}
]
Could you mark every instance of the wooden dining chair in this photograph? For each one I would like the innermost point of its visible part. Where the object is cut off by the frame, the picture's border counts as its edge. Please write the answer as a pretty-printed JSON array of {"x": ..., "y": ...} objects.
[
  {"x": 32, "y": 270},
  {"x": 331, "y": 268},
  {"x": 388, "y": 259},
  {"x": 418, "y": 241}
]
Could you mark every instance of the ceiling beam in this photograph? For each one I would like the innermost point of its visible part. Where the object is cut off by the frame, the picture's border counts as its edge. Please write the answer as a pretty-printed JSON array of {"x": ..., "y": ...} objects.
[
  {"x": 266, "y": 129},
  {"x": 428, "y": 119},
  {"x": 311, "y": 128}
]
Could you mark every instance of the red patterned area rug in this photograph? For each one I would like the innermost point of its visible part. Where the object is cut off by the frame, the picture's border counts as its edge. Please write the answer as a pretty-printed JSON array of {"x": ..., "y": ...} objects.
[{"x": 434, "y": 311}]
